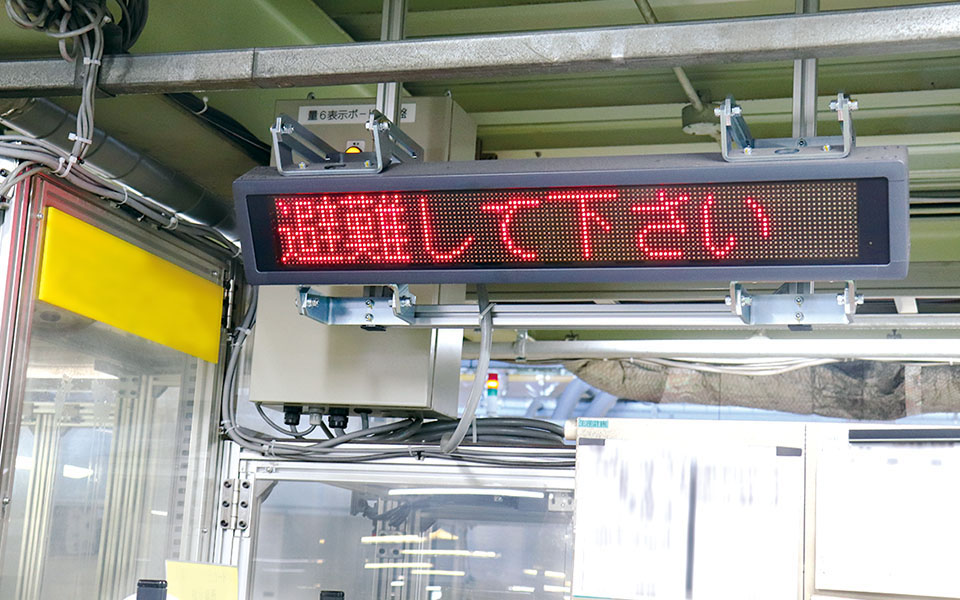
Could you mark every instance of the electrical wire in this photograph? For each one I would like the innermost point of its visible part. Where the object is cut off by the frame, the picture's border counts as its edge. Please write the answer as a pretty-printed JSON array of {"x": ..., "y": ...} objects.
[
  {"x": 753, "y": 369},
  {"x": 480, "y": 378},
  {"x": 82, "y": 23},
  {"x": 338, "y": 449},
  {"x": 224, "y": 124}
]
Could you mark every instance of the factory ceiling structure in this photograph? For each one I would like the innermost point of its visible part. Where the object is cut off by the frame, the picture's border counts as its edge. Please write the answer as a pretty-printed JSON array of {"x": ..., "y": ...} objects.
[
  {"x": 235, "y": 335},
  {"x": 590, "y": 105}
]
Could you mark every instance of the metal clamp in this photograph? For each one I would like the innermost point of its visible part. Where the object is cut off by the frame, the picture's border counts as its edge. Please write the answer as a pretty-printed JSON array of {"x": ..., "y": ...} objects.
[
  {"x": 398, "y": 309},
  {"x": 794, "y": 304},
  {"x": 737, "y": 144},
  {"x": 403, "y": 302},
  {"x": 298, "y": 151}
]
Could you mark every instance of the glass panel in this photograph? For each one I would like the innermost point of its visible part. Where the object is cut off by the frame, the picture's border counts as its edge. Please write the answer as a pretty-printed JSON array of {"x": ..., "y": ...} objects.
[
  {"x": 399, "y": 542},
  {"x": 104, "y": 461}
]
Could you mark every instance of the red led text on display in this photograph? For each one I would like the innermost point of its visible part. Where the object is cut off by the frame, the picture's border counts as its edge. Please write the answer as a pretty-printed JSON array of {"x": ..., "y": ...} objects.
[{"x": 656, "y": 224}]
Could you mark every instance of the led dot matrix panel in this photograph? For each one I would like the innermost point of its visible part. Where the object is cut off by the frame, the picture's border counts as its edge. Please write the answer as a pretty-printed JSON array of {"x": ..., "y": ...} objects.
[{"x": 688, "y": 217}]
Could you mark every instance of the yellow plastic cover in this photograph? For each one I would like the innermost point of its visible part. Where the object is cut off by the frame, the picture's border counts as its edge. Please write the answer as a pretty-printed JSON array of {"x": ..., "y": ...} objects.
[{"x": 98, "y": 275}]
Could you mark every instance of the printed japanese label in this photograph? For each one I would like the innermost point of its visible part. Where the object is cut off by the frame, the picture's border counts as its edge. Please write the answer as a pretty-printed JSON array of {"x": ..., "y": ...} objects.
[{"x": 352, "y": 113}]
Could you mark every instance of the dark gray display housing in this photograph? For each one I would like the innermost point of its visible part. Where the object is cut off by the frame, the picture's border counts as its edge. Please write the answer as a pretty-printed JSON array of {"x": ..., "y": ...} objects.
[{"x": 886, "y": 162}]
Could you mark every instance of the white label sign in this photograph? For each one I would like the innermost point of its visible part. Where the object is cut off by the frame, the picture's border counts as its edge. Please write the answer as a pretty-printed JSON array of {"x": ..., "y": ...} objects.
[{"x": 349, "y": 113}]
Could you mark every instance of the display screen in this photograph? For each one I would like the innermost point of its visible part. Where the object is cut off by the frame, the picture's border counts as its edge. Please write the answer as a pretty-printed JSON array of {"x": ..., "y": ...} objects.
[{"x": 723, "y": 224}]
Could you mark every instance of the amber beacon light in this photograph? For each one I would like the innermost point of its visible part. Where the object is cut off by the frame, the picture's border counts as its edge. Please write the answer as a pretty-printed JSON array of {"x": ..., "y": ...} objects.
[{"x": 684, "y": 217}]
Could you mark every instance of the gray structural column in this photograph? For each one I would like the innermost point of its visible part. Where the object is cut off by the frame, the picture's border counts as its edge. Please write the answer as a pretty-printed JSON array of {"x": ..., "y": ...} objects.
[
  {"x": 805, "y": 85},
  {"x": 391, "y": 29}
]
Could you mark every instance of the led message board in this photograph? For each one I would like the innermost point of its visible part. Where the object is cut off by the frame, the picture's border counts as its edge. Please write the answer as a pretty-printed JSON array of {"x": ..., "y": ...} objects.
[{"x": 625, "y": 219}]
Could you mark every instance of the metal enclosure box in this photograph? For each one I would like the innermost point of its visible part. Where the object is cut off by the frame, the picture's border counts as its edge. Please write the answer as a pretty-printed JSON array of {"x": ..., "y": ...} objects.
[
  {"x": 397, "y": 372},
  {"x": 444, "y": 130}
]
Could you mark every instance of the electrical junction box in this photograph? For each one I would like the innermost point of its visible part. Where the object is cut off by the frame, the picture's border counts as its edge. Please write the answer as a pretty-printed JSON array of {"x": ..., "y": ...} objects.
[
  {"x": 443, "y": 129},
  {"x": 397, "y": 372}
]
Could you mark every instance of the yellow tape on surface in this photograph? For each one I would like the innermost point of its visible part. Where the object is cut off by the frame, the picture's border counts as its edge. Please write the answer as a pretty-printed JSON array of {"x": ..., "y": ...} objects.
[{"x": 95, "y": 274}]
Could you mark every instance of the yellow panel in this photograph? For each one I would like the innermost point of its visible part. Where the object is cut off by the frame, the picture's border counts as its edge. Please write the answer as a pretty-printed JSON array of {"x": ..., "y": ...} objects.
[
  {"x": 92, "y": 273},
  {"x": 196, "y": 581}
]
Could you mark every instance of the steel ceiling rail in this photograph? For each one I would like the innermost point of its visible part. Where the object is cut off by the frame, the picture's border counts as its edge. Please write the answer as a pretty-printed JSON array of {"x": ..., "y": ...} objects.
[
  {"x": 789, "y": 37},
  {"x": 635, "y": 316},
  {"x": 934, "y": 350}
]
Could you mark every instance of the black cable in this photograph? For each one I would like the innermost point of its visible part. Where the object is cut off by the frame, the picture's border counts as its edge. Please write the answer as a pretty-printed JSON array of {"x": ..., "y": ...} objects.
[{"x": 224, "y": 124}]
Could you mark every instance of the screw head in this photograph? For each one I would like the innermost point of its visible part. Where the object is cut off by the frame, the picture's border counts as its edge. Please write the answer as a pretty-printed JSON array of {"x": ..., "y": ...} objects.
[
  {"x": 826, "y": 147},
  {"x": 798, "y": 299},
  {"x": 301, "y": 165},
  {"x": 748, "y": 150},
  {"x": 368, "y": 317},
  {"x": 370, "y": 303},
  {"x": 799, "y": 316}
]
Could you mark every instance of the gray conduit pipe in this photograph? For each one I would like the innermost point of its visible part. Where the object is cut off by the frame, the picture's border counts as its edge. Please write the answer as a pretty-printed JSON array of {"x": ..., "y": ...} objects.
[
  {"x": 42, "y": 119},
  {"x": 568, "y": 399},
  {"x": 651, "y": 19},
  {"x": 601, "y": 405}
]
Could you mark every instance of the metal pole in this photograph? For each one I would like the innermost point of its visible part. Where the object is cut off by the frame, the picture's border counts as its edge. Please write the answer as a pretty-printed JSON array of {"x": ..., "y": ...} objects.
[
  {"x": 651, "y": 19},
  {"x": 391, "y": 30},
  {"x": 805, "y": 85}
]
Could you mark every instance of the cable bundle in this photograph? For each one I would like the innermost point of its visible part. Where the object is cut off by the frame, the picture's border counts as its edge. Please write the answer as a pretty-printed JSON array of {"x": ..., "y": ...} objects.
[
  {"x": 82, "y": 23},
  {"x": 403, "y": 439}
]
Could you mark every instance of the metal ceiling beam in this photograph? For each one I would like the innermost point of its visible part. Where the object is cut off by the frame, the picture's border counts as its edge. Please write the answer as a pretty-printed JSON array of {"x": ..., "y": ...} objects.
[{"x": 899, "y": 30}]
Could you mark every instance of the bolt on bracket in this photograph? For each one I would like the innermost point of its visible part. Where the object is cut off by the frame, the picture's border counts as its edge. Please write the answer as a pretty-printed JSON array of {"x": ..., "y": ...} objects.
[
  {"x": 738, "y": 145},
  {"x": 794, "y": 304},
  {"x": 397, "y": 309}
]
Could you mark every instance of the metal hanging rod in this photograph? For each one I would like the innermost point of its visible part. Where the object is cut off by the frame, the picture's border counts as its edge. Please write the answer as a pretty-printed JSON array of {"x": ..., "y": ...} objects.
[{"x": 789, "y": 37}]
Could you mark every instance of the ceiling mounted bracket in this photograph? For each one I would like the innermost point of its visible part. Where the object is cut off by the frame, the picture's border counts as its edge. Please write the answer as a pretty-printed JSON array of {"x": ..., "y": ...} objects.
[
  {"x": 368, "y": 311},
  {"x": 738, "y": 145},
  {"x": 794, "y": 304},
  {"x": 299, "y": 151}
]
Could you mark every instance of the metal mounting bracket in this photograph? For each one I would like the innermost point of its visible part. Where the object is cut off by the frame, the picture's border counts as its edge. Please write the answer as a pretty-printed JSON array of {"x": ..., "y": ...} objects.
[
  {"x": 298, "y": 151},
  {"x": 737, "y": 144},
  {"x": 398, "y": 309},
  {"x": 794, "y": 304}
]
